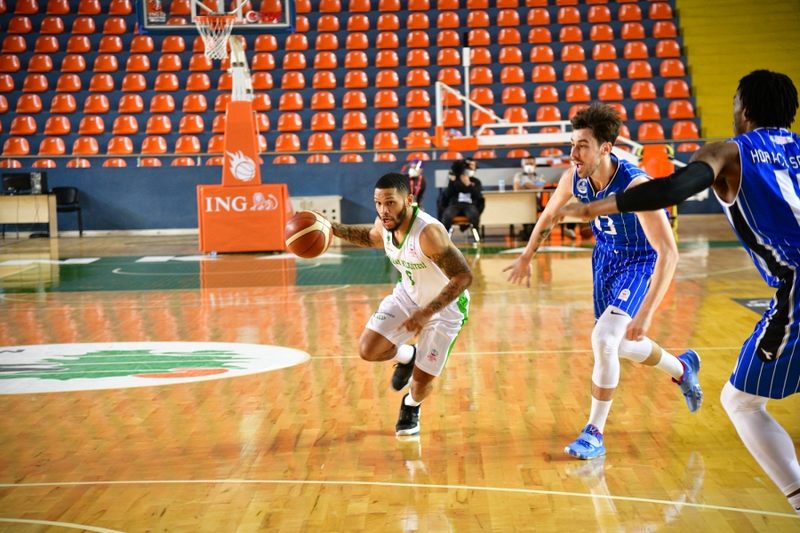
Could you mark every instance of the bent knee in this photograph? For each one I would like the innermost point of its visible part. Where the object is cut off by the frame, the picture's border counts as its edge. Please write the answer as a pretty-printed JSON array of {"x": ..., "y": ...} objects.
[{"x": 735, "y": 401}]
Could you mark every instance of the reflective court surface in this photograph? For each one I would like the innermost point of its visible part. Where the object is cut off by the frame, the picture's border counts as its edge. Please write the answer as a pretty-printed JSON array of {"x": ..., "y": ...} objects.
[{"x": 179, "y": 396}]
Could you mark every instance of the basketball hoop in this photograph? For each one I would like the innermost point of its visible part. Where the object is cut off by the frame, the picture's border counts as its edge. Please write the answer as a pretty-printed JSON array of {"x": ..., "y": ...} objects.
[{"x": 215, "y": 31}]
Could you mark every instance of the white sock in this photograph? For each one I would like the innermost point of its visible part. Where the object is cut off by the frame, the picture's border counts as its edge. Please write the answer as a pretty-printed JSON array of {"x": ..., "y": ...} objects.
[
  {"x": 404, "y": 353},
  {"x": 599, "y": 413},
  {"x": 641, "y": 351},
  {"x": 409, "y": 401}
]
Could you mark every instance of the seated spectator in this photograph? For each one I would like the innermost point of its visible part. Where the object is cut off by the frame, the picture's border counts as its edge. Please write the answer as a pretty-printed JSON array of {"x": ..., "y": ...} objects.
[
  {"x": 528, "y": 178},
  {"x": 463, "y": 195}
]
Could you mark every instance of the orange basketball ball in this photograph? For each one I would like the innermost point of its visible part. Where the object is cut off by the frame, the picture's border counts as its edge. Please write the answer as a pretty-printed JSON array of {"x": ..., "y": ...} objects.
[{"x": 308, "y": 234}]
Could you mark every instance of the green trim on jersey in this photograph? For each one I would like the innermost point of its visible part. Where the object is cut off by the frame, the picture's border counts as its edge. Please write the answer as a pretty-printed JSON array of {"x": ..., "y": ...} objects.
[
  {"x": 405, "y": 237},
  {"x": 463, "y": 306}
]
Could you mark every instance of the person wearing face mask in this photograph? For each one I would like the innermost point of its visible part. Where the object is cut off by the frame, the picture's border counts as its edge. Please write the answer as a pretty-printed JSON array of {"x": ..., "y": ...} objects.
[
  {"x": 416, "y": 181},
  {"x": 463, "y": 195}
]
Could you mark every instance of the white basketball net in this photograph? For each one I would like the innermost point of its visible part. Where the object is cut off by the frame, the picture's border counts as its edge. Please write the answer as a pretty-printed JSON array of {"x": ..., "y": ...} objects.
[{"x": 215, "y": 31}]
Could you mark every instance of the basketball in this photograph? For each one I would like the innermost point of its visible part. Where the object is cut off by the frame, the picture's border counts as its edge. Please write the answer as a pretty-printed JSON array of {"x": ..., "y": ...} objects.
[{"x": 308, "y": 234}]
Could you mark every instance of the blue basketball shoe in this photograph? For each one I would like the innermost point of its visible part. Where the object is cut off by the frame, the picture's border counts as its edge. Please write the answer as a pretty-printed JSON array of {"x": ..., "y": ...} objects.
[
  {"x": 588, "y": 445},
  {"x": 689, "y": 383}
]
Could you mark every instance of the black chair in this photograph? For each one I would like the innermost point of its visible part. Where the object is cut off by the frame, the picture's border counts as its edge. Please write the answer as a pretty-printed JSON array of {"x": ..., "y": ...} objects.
[{"x": 68, "y": 201}]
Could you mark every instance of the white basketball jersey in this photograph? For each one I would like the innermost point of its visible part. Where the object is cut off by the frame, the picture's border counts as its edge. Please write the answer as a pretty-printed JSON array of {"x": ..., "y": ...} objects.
[{"x": 420, "y": 277}]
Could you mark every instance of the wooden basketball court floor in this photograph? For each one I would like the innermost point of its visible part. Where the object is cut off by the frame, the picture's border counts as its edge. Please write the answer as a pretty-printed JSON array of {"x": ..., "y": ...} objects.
[{"x": 311, "y": 447}]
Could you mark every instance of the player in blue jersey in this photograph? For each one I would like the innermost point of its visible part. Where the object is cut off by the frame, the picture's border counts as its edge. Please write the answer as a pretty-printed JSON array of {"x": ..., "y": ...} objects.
[
  {"x": 633, "y": 262},
  {"x": 756, "y": 177}
]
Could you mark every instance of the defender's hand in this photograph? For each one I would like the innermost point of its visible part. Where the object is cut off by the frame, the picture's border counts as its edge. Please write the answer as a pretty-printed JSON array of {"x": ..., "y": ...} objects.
[{"x": 520, "y": 270}]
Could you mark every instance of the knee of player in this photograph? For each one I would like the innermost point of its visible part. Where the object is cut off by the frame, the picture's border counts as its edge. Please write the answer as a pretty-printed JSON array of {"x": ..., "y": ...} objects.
[
  {"x": 604, "y": 342},
  {"x": 735, "y": 401}
]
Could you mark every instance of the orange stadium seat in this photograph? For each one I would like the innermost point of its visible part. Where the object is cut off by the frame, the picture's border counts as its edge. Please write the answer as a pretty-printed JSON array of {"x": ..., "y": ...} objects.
[
  {"x": 323, "y": 121},
  {"x": 543, "y": 74},
  {"x": 578, "y": 92},
  {"x": 130, "y": 103},
  {"x": 419, "y": 118},
  {"x": 70, "y": 83},
  {"x": 323, "y": 100},
  {"x": 388, "y": 22},
  {"x": 326, "y": 41},
  {"x": 301, "y": 24},
  {"x": 598, "y": 14},
  {"x": 327, "y": 23},
  {"x": 650, "y": 131},
  {"x": 89, "y": 7},
  {"x": 418, "y": 98},
  {"x": 191, "y": 123},
  {"x": 639, "y": 69},
  {"x": 448, "y": 20},
  {"x": 324, "y": 80},
  {"x": 330, "y": 6},
  {"x": 291, "y": 101},
  {"x": 545, "y": 94},
  {"x": 188, "y": 144},
  {"x": 262, "y": 81},
  {"x": 629, "y": 12},
  {"x": 478, "y": 19},
  {"x": 57, "y": 7},
  {"x": 538, "y": 17},
  {"x": 356, "y": 59},
  {"x": 353, "y": 141},
  {"x": 417, "y": 39},
  {"x": 149, "y": 162},
  {"x": 20, "y": 25},
  {"x": 354, "y": 120},
  {"x": 548, "y": 113},
  {"x": 16, "y": 146},
  {"x": 660, "y": 11},
  {"x": 447, "y": 38},
  {"x": 610, "y": 90},
  {"x": 14, "y": 44},
  {"x": 96, "y": 104},
  {"x": 183, "y": 162},
  {"x": 645, "y": 111},
  {"x": 480, "y": 56},
  {"x": 604, "y": 52},
  {"x": 57, "y": 125},
  {"x": 33, "y": 83},
  {"x": 685, "y": 129},
  {"x": 23, "y": 125},
  {"x": 607, "y": 70},
  {"x": 318, "y": 159},
  {"x": 105, "y": 63},
  {"x": 266, "y": 42},
  {"x": 386, "y": 59},
  {"x": 386, "y": 99},
  {"x": 83, "y": 25},
  {"x": 115, "y": 162},
  {"x": 142, "y": 44},
  {"x": 570, "y": 34},
  {"x": 120, "y": 7},
  {"x": 509, "y": 36},
  {"x": 52, "y": 25},
  {"x": 202, "y": 63},
  {"x": 26, "y": 104},
  {"x": 45, "y": 44},
  {"x": 635, "y": 50},
  {"x": 448, "y": 57},
  {"x": 293, "y": 80},
  {"x": 415, "y": 78},
  {"x": 137, "y": 63},
  {"x": 665, "y": 29},
  {"x": 668, "y": 48},
  {"x": 540, "y": 35},
  {"x": 481, "y": 76},
  {"x": 356, "y": 79},
  {"x": 44, "y": 163},
  {"x": 284, "y": 159},
  {"x": 325, "y": 61},
  {"x": 218, "y": 124},
  {"x": 417, "y": 21},
  {"x": 419, "y": 5},
  {"x": 513, "y": 95},
  {"x": 154, "y": 144},
  {"x": 387, "y": 120},
  {"x": 125, "y": 125},
  {"x": 110, "y": 44},
  {"x": 73, "y": 63},
  {"x": 417, "y": 139},
  {"x": 643, "y": 90},
  {"x": 357, "y": 23},
  {"x": 672, "y": 68},
  {"x": 320, "y": 142},
  {"x": 79, "y": 162},
  {"x": 85, "y": 146},
  {"x": 508, "y": 18},
  {"x": 632, "y": 31},
  {"x": 542, "y": 53},
  {"x": 196, "y": 81},
  {"x": 9, "y": 63},
  {"x": 386, "y": 140},
  {"x": 573, "y": 52},
  {"x": 302, "y": 6},
  {"x": 568, "y": 15},
  {"x": 680, "y": 109},
  {"x": 63, "y": 103},
  {"x": 221, "y": 102},
  {"x": 351, "y": 158},
  {"x": 158, "y": 125},
  {"x": 120, "y": 145},
  {"x": 510, "y": 55},
  {"x": 387, "y": 40},
  {"x": 516, "y": 114},
  {"x": 133, "y": 83},
  {"x": 290, "y": 121},
  {"x": 418, "y": 57},
  {"x": 676, "y": 89},
  {"x": 601, "y": 32},
  {"x": 512, "y": 75},
  {"x": 479, "y": 37}
]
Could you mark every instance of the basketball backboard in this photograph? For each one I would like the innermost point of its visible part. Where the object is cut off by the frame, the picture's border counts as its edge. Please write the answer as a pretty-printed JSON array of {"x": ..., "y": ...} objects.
[{"x": 251, "y": 15}]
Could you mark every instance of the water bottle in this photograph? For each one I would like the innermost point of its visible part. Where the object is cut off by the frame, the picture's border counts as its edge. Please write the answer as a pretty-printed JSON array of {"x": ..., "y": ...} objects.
[{"x": 501, "y": 185}]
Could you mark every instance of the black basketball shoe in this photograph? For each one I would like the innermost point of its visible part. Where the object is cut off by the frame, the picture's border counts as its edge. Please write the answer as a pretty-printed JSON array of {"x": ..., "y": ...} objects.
[
  {"x": 402, "y": 373},
  {"x": 408, "y": 421}
]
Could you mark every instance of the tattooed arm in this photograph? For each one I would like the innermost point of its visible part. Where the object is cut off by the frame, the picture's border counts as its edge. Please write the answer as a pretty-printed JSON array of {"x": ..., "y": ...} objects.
[
  {"x": 360, "y": 234},
  {"x": 436, "y": 244}
]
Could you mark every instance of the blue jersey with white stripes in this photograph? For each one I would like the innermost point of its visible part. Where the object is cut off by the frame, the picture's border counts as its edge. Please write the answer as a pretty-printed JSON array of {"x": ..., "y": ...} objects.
[
  {"x": 619, "y": 233},
  {"x": 766, "y": 211}
]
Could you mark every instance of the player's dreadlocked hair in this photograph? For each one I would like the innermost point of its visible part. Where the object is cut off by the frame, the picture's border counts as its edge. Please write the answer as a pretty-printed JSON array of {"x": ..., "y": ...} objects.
[
  {"x": 768, "y": 98},
  {"x": 394, "y": 180},
  {"x": 602, "y": 119}
]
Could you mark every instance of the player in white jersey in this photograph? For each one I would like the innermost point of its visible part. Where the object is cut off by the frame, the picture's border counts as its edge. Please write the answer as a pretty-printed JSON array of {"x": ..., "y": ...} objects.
[
  {"x": 756, "y": 178},
  {"x": 430, "y": 301}
]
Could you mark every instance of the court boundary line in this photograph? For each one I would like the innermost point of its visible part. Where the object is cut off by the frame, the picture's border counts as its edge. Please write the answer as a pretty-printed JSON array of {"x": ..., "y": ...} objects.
[
  {"x": 390, "y": 484},
  {"x": 70, "y": 525}
]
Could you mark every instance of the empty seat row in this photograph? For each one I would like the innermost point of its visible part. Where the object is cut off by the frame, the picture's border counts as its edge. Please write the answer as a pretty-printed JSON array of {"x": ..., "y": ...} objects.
[{"x": 84, "y": 7}]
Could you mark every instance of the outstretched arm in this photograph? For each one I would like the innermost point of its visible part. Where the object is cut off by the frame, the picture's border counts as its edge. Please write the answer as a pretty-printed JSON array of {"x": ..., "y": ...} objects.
[
  {"x": 520, "y": 268},
  {"x": 360, "y": 234},
  {"x": 714, "y": 165},
  {"x": 436, "y": 244}
]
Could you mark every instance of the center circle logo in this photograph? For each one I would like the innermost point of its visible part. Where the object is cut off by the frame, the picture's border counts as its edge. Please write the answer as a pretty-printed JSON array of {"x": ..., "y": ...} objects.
[{"x": 118, "y": 365}]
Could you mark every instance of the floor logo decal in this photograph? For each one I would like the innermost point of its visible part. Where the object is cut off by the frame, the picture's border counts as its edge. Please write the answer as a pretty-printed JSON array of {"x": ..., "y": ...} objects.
[{"x": 114, "y": 365}]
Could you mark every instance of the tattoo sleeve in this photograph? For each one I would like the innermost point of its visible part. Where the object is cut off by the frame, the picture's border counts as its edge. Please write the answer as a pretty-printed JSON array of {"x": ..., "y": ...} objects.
[
  {"x": 356, "y": 234},
  {"x": 454, "y": 267}
]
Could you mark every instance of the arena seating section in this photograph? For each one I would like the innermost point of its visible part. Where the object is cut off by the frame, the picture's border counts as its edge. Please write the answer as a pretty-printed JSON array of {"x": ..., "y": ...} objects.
[{"x": 356, "y": 76}]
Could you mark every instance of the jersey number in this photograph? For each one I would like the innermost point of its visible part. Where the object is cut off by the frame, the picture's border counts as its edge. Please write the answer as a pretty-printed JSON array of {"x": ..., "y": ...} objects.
[
  {"x": 610, "y": 229},
  {"x": 410, "y": 277},
  {"x": 788, "y": 191}
]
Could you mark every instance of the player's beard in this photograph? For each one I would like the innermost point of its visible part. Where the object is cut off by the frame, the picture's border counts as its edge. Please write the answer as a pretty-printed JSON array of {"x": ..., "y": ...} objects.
[{"x": 399, "y": 219}]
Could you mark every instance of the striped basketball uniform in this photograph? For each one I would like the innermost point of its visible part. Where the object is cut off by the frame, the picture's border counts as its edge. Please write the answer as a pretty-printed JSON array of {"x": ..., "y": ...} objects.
[
  {"x": 622, "y": 260},
  {"x": 421, "y": 281},
  {"x": 766, "y": 217}
]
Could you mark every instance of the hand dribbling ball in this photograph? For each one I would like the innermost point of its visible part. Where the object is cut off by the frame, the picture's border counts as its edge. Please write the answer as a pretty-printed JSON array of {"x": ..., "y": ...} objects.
[{"x": 308, "y": 234}]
